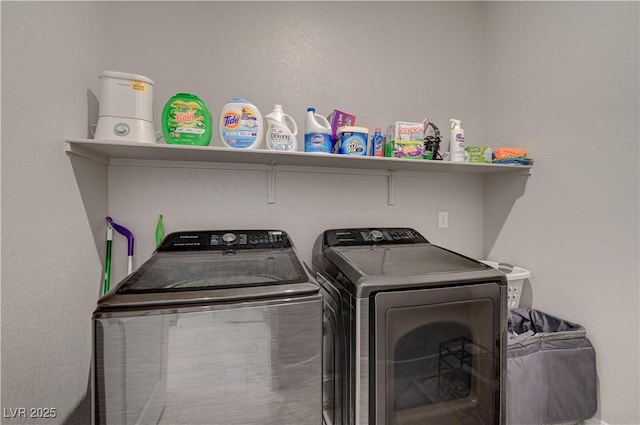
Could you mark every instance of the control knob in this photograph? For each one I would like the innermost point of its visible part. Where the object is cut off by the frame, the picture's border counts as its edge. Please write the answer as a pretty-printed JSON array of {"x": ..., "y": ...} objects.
[
  {"x": 229, "y": 238},
  {"x": 376, "y": 235}
]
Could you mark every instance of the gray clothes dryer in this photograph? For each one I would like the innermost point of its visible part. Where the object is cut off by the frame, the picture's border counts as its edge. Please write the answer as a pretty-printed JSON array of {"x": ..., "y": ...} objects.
[
  {"x": 414, "y": 334},
  {"x": 217, "y": 327}
]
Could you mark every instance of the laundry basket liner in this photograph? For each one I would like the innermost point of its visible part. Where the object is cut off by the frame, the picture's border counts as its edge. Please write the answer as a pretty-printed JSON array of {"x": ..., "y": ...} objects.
[{"x": 551, "y": 370}]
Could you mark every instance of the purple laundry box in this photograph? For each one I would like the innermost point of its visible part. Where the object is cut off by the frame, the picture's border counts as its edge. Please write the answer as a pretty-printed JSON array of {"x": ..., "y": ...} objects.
[{"x": 339, "y": 119}]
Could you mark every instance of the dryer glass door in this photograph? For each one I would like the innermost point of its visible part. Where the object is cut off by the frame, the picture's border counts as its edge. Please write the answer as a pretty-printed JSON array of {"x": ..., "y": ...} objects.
[{"x": 438, "y": 356}]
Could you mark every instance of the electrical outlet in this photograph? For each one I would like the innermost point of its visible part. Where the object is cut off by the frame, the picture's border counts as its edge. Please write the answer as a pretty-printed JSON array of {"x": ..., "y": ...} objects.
[{"x": 443, "y": 220}]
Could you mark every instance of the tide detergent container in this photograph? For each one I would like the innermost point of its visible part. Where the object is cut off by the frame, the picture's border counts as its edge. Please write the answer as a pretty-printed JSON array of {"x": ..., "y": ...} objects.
[
  {"x": 353, "y": 140},
  {"x": 317, "y": 133},
  {"x": 126, "y": 108},
  {"x": 186, "y": 121},
  {"x": 281, "y": 131},
  {"x": 241, "y": 125}
]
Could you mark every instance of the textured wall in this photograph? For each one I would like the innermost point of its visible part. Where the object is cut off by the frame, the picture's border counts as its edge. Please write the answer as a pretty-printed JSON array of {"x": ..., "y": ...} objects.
[
  {"x": 383, "y": 61},
  {"x": 563, "y": 82},
  {"x": 51, "y": 267}
]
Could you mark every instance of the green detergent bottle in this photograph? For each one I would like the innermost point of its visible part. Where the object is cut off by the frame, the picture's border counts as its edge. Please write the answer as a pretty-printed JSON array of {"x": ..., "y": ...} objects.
[{"x": 186, "y": 121}]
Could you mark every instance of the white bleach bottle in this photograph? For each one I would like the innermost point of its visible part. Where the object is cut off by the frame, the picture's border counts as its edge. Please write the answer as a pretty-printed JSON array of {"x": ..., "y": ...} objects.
[
  {"x": 317, "y": 133},
  {"x": 456, "y": 144},
  {"x": 281, "y": 131}
]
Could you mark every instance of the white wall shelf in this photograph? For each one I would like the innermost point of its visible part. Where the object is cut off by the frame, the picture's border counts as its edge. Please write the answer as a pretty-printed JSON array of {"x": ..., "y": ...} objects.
[
  {"x": 106, "y": 151},
  {"x": 111, "y": 152}
]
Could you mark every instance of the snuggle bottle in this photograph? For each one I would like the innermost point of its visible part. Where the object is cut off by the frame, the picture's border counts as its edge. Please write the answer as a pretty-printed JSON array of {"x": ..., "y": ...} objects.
[
  {"x": 241, "y": 125},
  {"x": 281, "y": 131},
  {"x": 317, "y": 133}
]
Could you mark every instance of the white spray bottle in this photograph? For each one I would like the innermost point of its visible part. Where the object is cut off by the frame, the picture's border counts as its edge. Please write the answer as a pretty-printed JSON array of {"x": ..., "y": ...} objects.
[
  {"x": 456, "y": 143},
  {"x": 281, "y": 131}
]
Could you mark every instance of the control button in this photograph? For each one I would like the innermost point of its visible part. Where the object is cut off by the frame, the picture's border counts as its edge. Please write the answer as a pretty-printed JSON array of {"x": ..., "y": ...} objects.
[
  {"x": 229, "y": 238},
  {"x": 376, "y": 235},
  {"x": 121, "y": 129}
]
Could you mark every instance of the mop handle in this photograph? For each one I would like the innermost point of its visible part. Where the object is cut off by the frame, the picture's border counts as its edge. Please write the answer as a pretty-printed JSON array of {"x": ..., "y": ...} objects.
[
  {"x": 125, "y": 232},
  {"x": 107, "y": 262}
]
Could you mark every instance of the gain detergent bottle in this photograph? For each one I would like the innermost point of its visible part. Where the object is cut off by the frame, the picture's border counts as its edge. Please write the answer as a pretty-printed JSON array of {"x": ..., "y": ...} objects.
[{"x": 186, "y": 121}]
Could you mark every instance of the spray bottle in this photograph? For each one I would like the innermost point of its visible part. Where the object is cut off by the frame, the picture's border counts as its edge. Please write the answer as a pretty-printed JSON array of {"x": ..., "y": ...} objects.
[{"x": 456, "y": 143}]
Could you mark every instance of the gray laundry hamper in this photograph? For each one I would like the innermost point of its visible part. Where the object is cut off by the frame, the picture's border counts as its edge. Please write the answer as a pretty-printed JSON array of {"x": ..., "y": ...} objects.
[{"x": 551, "y": 370}]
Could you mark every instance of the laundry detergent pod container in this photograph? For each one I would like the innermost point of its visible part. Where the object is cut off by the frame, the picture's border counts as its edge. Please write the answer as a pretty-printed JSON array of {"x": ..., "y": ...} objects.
[
  {"x": 241, "y": 125},
  {"x": 126, "y": 108},
  {"x": 186, "y": 120}
]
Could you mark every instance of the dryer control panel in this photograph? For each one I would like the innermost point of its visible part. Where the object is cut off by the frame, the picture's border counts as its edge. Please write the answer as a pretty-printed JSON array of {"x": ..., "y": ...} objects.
[
  {"x": 207, "y": 240},
  {"x": 372, "y": 236}
]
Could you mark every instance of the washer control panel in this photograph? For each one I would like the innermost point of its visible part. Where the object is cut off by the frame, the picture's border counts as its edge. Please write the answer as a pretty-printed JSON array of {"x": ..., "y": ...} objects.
[
  {"x": 222, "y": 240},
  {"x": 372, "y": 236}
]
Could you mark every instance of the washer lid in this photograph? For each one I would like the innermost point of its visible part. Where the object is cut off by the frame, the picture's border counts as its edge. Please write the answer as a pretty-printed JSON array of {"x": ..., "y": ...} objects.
[
  {"x": 188, "y": 271},
  {"x": 220, "y": 266}
]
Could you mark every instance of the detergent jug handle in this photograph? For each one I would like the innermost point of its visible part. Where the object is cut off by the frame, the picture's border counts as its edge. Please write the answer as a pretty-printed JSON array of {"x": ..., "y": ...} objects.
[
  {"x": 291, "y": 124},
  {"x": 323, "y": 120}
]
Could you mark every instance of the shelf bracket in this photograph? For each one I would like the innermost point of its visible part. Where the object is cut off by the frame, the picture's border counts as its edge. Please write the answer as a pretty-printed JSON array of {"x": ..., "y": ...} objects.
[
  {"x": 271, "y": 197},
  {"x": 391, "y": 188}
]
